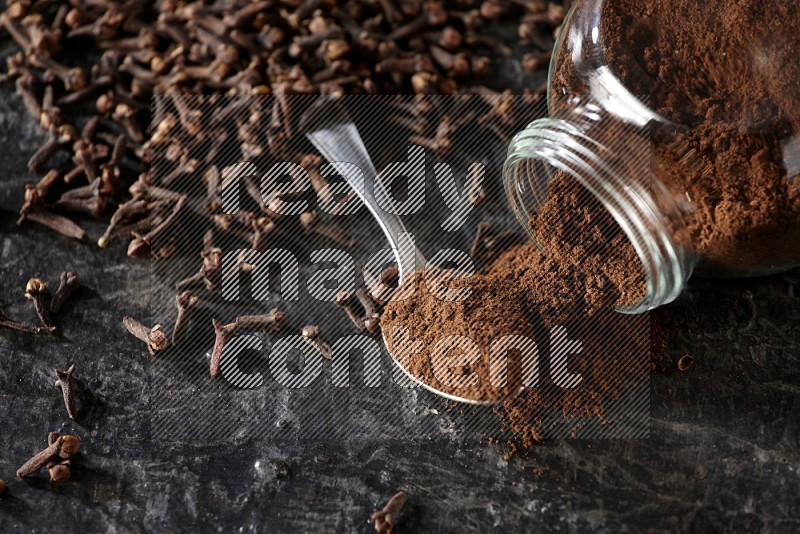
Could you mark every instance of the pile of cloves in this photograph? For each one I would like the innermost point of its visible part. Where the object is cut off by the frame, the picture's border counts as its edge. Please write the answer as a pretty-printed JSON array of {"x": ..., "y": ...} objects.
[
  {"x": 229, "y": 52},
  {"x": 132, "y": 50}
]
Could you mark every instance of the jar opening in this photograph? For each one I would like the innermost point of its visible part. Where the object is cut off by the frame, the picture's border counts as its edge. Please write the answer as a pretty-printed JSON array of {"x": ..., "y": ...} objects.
[{"x": 553, "y": 151}]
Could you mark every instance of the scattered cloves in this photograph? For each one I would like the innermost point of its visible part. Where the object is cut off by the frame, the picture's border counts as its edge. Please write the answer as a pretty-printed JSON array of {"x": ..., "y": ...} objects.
[
  {"x": 11, "y": 324},
  {"x": 284, "y": 48}
]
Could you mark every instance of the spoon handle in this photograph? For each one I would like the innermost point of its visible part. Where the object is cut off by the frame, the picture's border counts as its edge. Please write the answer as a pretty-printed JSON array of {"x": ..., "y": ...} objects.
[{"x": 341, "y": 145}]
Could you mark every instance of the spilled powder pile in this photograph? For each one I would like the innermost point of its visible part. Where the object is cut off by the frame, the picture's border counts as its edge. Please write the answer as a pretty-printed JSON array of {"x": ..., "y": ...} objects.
[
  {"x": 574, "y": 229},
  {"x": 727, "y": 72},
  {"x": 589, "y": 269},
  {"x": 615, "y": 347}
]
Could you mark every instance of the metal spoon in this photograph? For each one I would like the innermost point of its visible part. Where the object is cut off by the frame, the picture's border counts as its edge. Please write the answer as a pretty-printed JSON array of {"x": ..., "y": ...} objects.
[{"x": 334, "y": 134}]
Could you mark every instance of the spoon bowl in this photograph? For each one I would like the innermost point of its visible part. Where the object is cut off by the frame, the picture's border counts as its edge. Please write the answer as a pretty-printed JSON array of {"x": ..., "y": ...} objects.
[{"x": 334, "y": 134}]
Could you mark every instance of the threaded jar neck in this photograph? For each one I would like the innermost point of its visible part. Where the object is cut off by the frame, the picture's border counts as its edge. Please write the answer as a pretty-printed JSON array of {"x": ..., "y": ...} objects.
[{"x": 611, "y": 161}]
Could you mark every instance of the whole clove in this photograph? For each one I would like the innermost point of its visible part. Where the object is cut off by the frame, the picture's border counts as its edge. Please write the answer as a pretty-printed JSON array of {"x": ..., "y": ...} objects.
[
  {"x": 187, "y": 302},
  {"x": 65, "y": 381},
  {"x": 136, "y": 208},
  {"x": 155, "y": 337},
  {"x": 11, "y": 324},
  {"x": 210, "y": 271},
  {"x": 348, "y": 303},
  {"x": 33, "y": 210},
  {"x": 59, "y": 138},
  {"x": 311, "y": 333},
  {"x": 36, "y": 291},
  {"x": 68, "y": 282},
  {"x": 385, "y": 518},
  {"x": 312, "y": 224},
  {"x": 222, "y": 333},
  {"x": 273, "y": 320}
]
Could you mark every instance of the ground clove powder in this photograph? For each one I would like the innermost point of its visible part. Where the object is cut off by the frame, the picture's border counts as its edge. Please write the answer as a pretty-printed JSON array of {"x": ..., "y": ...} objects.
[{"x": 585, "y": 271}]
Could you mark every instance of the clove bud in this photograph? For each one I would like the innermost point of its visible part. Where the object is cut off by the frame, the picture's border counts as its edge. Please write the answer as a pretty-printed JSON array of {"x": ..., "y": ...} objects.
[
  {"x": 384, "y": 519},
  {"x": 311, "y": 333},
  {"x": 36, "y": 290},
  {"x": 186, "y": 302},
  {"x": 65, "y": 381},
  {"x": 68, "y": 282},
  {"x": 155, "y": 338}
]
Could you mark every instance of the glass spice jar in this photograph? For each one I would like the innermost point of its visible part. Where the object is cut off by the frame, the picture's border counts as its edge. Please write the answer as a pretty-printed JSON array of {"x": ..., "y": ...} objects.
[{"x": 683, "y": 119}]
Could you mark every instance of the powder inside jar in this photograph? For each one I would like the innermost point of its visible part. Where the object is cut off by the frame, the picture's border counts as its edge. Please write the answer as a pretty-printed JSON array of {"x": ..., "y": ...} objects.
[
  {"x": 575, "y": 229},
  {"x": 725, "y": 72}
]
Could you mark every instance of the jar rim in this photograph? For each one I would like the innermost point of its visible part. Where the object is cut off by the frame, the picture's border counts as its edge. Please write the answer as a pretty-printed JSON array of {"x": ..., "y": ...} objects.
[{"x": 557, "y": 144}]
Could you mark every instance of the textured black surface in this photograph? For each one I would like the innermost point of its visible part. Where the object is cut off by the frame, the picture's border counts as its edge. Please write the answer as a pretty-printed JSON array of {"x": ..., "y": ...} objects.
[{"x": 723, "y": 454}]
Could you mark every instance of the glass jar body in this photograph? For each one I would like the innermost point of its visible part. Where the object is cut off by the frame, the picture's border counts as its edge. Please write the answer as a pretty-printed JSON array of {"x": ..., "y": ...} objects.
[{"x": 695, "y": 109}]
